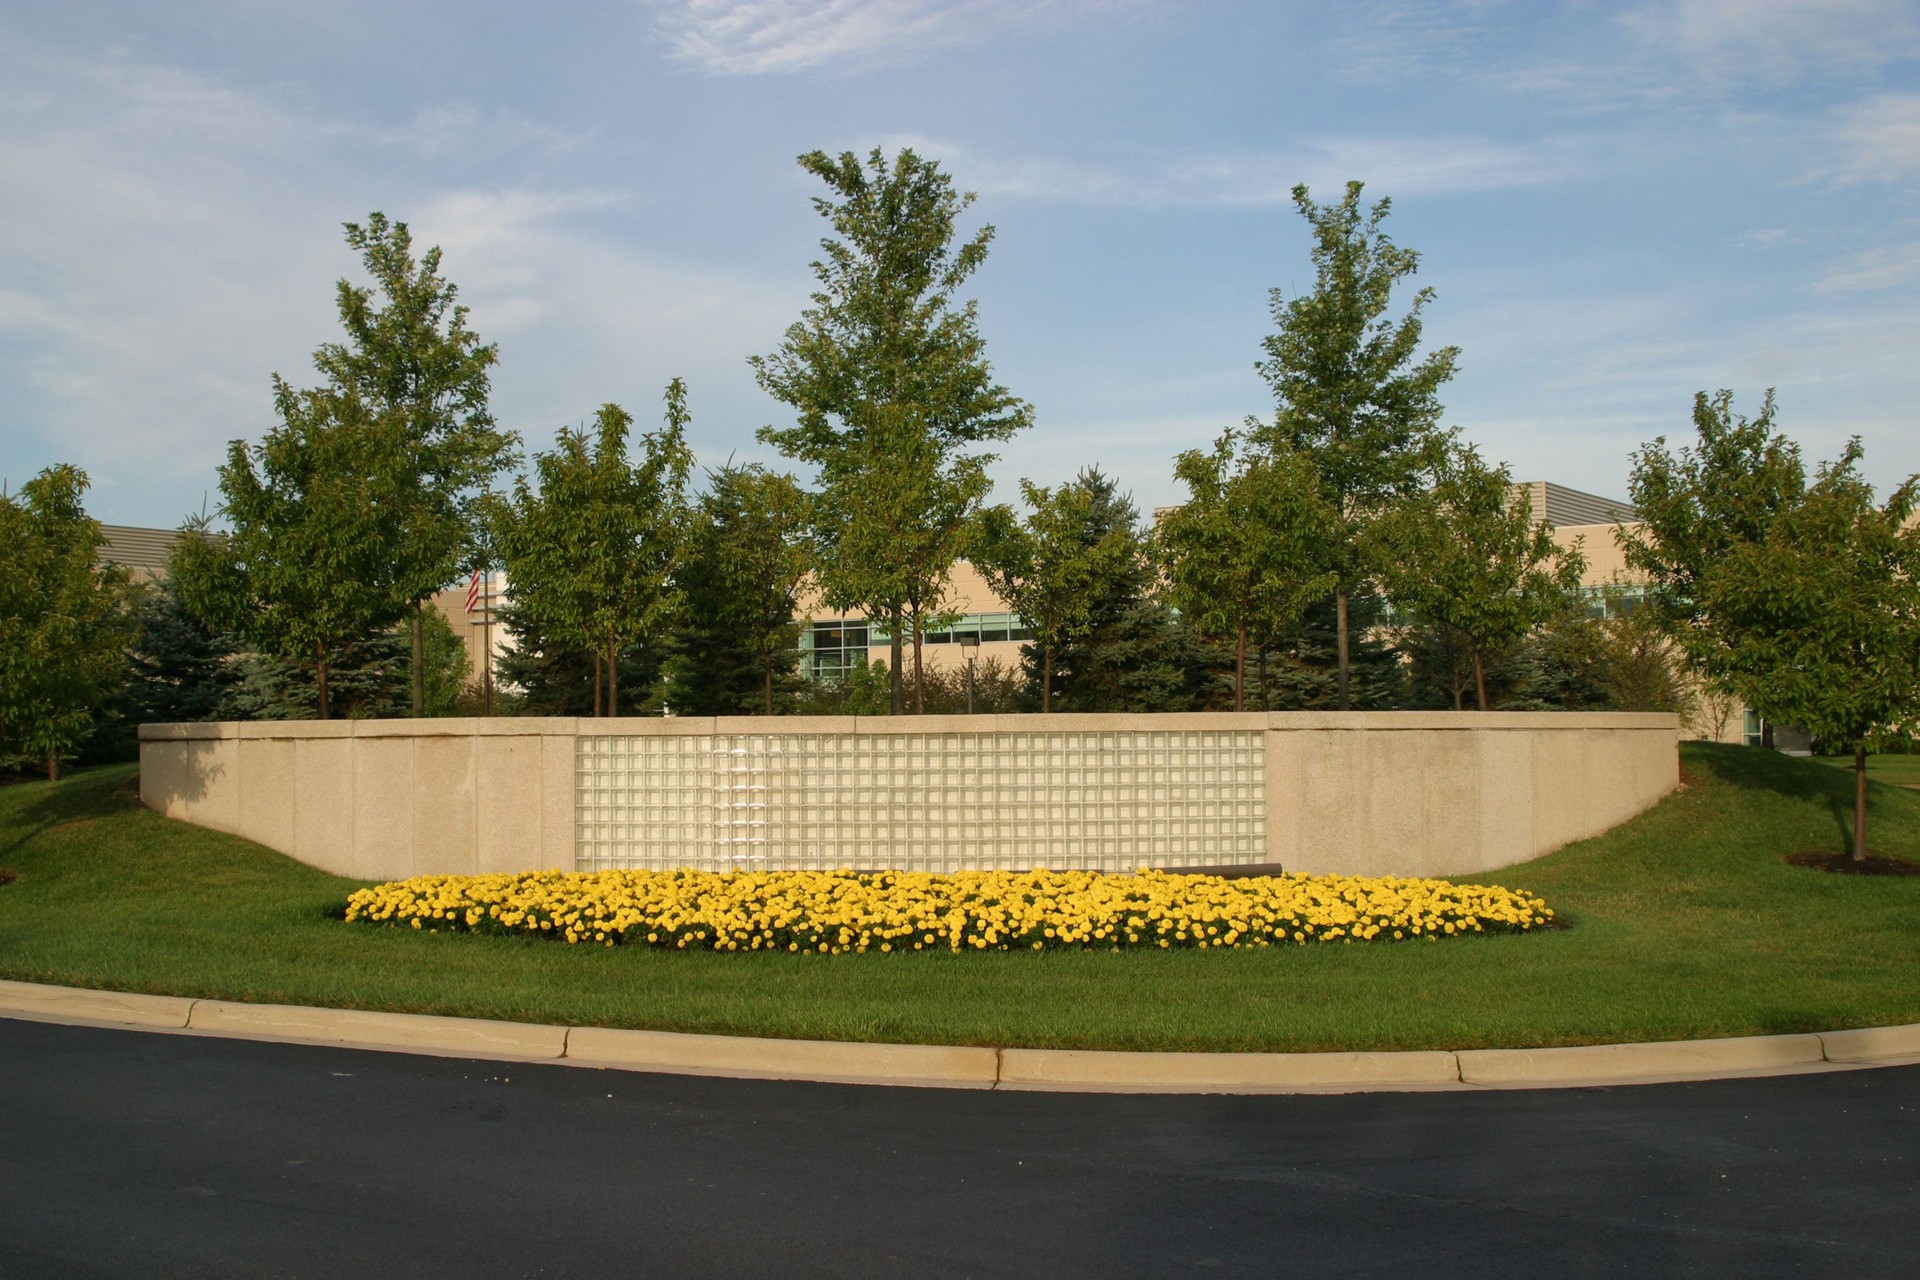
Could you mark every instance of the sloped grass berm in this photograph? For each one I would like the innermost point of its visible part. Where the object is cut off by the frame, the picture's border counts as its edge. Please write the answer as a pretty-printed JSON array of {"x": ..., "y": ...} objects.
[{"x": 1684, "y": 922}]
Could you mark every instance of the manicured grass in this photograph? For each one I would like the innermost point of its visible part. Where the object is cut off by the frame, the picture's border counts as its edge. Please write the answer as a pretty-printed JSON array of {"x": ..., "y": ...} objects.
[
  {"x": 1895, "y": 770},
  {"x": 1685, "y": 922}
]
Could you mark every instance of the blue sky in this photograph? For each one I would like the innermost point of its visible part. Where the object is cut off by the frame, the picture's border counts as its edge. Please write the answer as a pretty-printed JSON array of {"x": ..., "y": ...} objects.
[{"x": 1618, "y": 205}]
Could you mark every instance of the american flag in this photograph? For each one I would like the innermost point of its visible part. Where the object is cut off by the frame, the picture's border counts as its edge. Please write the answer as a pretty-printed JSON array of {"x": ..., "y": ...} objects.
[{"x": 474, "y": 591}]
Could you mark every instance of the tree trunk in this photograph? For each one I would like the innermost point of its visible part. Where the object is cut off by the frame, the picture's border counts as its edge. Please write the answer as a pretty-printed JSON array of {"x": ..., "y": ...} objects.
[
  {"x": 613, "y": 677},
  {"x": 596, "y": 684},
  {"x": 768, "y": 681},
  {"x": 1479, "y": 678},
  {"x": 1240, "y": 674},
  {"x": 419, "y": 664},
  {"x": 919, "y": 672},
  {"x": 1046, "y": 679},
  {"x": 53, "y": 766},
  {"x": 320, "y": 677},
  {"x": 895, "y": 689},
  {"x": 1340, "y": 610},
  {"x": 1263, "y": 678},
  {"x": 1766, "y": 734},
  {"x": 1860, "y": 803}
]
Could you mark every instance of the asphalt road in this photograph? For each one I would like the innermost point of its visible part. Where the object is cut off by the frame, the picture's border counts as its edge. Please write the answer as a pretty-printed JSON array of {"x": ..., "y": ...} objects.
[{"x": 132, "y": 1154}]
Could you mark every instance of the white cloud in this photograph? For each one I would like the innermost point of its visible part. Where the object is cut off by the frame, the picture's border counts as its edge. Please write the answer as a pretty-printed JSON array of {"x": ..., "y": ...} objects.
[
  {"x": 1878, "y": 269},
  {"x": 167, "y": 243},
  {"x": 1397, "y": 166},
  {"x": 759, "y": 37},
  {"x": 1780, "y": 40},
  {"x": 1877, "y": 140}
]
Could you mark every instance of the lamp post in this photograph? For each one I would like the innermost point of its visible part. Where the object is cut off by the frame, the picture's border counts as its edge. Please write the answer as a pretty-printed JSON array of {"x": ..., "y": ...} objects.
[{"x": 970, "y": 645}]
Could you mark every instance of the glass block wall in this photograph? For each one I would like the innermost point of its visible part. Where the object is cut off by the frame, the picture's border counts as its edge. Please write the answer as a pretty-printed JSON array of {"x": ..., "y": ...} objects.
[{"x": 922, "y": 802}]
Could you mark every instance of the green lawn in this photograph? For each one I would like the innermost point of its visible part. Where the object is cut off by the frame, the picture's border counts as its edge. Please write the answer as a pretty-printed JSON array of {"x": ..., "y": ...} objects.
[
  {"x": 1685, "y": 922},
  {"x": 1895, "y": 770}
]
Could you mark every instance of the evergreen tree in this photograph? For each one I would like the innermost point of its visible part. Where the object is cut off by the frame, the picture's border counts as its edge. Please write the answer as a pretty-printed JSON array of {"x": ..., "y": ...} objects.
[
  {"x": 1348, "y": 390},
  {"x": 1134, "y": 655},
  {"x": 1053, "y": 568},
  {"x": 65, "y": 620},
  {"x": 737, "y": 644},
  {"x": 888, "y": 377},
  {"x": 179, "y": 670}
]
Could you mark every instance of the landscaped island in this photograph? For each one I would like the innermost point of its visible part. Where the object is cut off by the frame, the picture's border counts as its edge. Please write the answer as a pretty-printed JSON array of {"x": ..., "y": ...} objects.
[{"x": 1683, "y": 922}]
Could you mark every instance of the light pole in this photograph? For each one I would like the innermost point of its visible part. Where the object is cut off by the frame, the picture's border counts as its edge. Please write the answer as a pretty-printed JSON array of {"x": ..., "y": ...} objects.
[{"x": 970, "y": 645}]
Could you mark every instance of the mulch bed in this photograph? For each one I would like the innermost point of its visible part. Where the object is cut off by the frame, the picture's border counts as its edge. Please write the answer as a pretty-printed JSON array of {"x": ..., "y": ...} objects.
[{"x": 1843, "y": 864}]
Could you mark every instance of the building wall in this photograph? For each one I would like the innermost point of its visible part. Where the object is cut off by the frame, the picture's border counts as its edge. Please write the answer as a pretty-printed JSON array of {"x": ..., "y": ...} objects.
[{"x": 1379, "y": 793}]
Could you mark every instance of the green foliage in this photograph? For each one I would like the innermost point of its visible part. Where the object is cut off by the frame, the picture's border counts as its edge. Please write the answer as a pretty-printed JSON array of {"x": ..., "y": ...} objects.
[
  {"x": 1249, "y": 550},
  {"x": 865, "y": 690},
  {"x": 65, "y": 620},
  {"x": 1349, "y": 393},
  {"x": 888, "y": 378},
  {"x": 179, "y": 670},
  {"x": 369, "y": 679},
  {"x": 885, "y": 331},
  {"x": 591, "y": 551},
  {"x": 317, "y": 509},
  {"x": 1468, "y": 555},
  {"x": 736, "y": 641},
  {"x": 360, "y": 503},
  {"x": 1821, "y": 618},
  {"x": 1697, "y": 505},
  {"x": 1134, "y": 655},
  {"x": 1054, "y": 567},
  {"x": 1626, "y": 655},
  {"x": 1802, "y": 600},
  {"x": 1301, "y": 670},
  {"x": 535, "y": 678},
  {"x": 411, "y": 361}
]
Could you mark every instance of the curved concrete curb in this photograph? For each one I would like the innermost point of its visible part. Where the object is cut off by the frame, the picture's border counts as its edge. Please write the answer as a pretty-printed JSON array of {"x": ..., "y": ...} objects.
[{"x": 964, "y": 1067}]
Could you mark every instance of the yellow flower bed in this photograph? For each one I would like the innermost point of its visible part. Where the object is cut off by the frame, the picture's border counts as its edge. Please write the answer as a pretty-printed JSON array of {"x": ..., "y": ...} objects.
[{"x": 839, "y": 911}]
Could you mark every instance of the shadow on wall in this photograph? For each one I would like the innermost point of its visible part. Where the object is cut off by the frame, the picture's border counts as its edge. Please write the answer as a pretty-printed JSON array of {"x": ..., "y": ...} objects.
[{"x": 177, "y": 776}]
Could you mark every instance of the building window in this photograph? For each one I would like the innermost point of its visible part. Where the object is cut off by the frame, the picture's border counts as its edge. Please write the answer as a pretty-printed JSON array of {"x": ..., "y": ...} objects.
[
  {"x": 828, "y": 650},
  {"x": 831, "y": 648}
]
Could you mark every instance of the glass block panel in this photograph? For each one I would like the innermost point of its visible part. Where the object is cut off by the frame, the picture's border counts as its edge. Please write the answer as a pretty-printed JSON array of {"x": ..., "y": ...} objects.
[{"x": 921, "y": 802}]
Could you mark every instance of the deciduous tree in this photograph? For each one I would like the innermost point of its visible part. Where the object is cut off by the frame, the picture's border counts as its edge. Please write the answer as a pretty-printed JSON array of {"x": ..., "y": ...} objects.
[
  {"x": 1351, "y": 391},
  {"x": 887, "y": 360},
  {"x": 591, "y": 550},
  {"x": 317, "y": 509},
  {"x": 65, "y": 619},
  {"x": 1249, "y": 549},
  {"x": 1818, "y": 619},
  {"x": 410, "y": 360},
  {"x": 1469, "y": 554}
]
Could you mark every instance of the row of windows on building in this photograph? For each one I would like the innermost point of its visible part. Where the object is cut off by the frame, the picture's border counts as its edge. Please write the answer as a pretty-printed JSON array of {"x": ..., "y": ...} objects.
[{"x": 830, "y": 648}]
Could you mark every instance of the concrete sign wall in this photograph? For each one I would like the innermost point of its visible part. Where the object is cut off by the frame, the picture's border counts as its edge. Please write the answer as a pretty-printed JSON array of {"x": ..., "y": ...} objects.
[{"x": 1378, "y": 793}]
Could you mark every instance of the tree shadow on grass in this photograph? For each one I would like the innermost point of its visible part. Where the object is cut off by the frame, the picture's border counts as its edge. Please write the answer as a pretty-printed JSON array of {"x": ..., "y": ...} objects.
[
  {"x": 80, "y": 796},
  {"x": 1757, "y": 769}
]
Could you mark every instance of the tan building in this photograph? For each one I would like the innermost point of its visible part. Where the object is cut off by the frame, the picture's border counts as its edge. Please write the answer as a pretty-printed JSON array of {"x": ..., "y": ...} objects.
[{"x": 831, "y": 644}]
